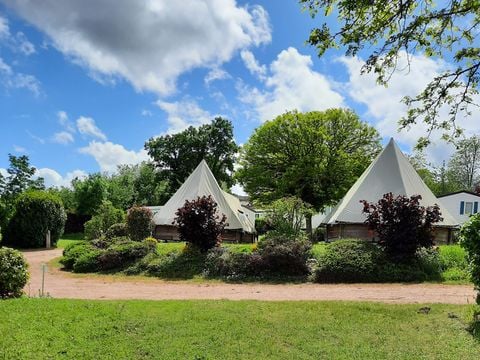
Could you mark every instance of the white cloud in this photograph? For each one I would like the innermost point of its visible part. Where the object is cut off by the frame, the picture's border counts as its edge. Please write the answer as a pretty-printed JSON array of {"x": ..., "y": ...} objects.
[
  {"x": 4, "y": 29},
  {"x": 87, "y": 126},
  {"x": 239, "y": 190},
  {"x": 19, "y": 149},
  {"x": 109, "y": 155},
  {"x": 22, "y": 44},
  {"x": 291, "y": 84},
  {"x": 216, "y": 74},
  {"x": 147, "y": 113},
  {"x": 3, "y": 172},
  {"x": 17, "y": 42},
  {"x": 252, "y": 64},
  {"x": 54, "y": 179},
  {"x": 184, "y": 113},
  {"x": 63, "y": 137},
  {"x": 384, "y": 104},
  {"x": 149, "y": 43},
  {"x": 65, "y": 122},
  {"x": 12, "y": 80}
]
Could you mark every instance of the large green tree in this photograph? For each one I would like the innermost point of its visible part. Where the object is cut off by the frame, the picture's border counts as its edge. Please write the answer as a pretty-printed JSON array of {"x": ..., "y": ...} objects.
[
  {"x": 315, "y": 156},
  {"x": 89, "y": 193},
  {"x": 465, "y": 163},
  {"x": 177, "y": 155},
  {"x": 384, "y": 29}
]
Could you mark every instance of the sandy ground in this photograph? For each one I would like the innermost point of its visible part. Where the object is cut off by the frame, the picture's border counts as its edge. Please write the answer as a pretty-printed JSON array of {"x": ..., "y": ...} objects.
[{"x": 59, "y": 284}]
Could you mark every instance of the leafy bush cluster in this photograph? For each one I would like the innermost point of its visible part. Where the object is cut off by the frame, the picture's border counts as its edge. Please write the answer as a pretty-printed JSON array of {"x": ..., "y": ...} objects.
[
  {"x": 403, "y": 226},
  {"x": 35, "y": 213},
  {"x": 360, "y": 261},
  {"x": 200, "y": 224},
  {"x": 139, "y": 223},
  {"x": 104, "y": 254},
  {"x": 470, "y": 241},
  {"x": 106, "y": 216},
  {"x": 13, "y": 273}
]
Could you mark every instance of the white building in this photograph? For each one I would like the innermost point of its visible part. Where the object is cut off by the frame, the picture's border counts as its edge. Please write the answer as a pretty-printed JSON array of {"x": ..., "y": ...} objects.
[{"x": 461, "y": 204}]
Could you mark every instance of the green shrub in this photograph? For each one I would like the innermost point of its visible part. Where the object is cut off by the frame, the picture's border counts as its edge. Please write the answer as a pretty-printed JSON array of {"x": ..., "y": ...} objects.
[
  {"x": 200, "y": 224},
  {"x": 349, "y": 261},
  {"x": 36, "y": 212},
  {"x": 470, "y": 241},
  {"x": 106, "y": 216},
  {"x": 120, "y": 255},
  {"x": 455, "y": 274},
  {"x": 139, "y": 223},
  {"x": 116, "y": 230},
  {"x": 287, "y": 217},
  {"x": 13, "y": 273},
  {"x": 151, "y": 243},
  {"x": 72, "y": 252},
  {"x": 222, "y": 262},
  {"x": 288, "y": 257},
  {"x": 87, "y": 261},
  {"x": 262, "y": 225},
  {"x": 453, "y": 256},
  {"x": 361, "y": 261}
]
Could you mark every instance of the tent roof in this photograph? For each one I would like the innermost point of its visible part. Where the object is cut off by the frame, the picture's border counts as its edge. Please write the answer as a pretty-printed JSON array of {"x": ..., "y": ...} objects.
[
  {"x": 201, "y": 182},
  {"x": 391, "y": 172}
]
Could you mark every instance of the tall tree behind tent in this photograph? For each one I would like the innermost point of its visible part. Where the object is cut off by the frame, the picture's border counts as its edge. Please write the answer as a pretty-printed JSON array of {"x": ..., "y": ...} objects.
[
  {"x": 177, "y": 155},
  {"x": 315, "y": 156}
]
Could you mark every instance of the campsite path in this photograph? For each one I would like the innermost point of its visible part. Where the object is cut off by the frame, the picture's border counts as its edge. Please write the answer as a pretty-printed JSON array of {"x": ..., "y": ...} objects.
[{"x": 65, "y": 285}]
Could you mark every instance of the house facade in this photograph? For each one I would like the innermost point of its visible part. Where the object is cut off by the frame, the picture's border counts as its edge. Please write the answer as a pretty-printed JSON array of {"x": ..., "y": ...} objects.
[{"x": 461, "y": 204}]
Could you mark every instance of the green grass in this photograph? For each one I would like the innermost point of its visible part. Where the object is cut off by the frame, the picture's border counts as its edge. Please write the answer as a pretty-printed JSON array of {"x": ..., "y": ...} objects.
[
  {"x": 69, "y": 238},
  {"x": 77, "y": 329}
]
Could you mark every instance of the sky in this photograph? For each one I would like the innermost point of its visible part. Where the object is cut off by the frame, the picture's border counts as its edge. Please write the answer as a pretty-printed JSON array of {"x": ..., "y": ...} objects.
[{"x": 83, "y": 84}]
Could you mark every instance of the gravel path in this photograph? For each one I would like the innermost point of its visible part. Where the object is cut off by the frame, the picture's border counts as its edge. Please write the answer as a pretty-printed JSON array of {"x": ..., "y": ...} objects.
[{"x": 64, "y": 285}]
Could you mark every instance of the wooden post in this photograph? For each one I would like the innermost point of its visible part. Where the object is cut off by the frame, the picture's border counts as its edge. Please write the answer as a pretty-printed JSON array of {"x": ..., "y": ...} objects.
[{"x": 48, "y": 241}]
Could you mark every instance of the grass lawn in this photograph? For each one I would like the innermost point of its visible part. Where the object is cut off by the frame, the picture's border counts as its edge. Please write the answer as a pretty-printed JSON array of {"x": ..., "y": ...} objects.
[
  {"x": 69, "y": 238},
  {"x": 76, "y": 329}
]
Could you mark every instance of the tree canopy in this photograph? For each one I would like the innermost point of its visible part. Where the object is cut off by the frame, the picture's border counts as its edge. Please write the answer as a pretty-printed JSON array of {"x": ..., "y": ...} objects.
[
  {"x": 387, "y": 28},
  {"x": 315, "y": 156},
  {"x": 177, "y": 155}
]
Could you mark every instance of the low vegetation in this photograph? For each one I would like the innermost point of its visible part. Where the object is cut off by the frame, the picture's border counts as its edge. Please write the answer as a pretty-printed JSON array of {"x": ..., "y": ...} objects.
[
  {"x": 13, "y": 273},
  {"x": 77, "y": 329},
  {"x": 470, "y": 241}
]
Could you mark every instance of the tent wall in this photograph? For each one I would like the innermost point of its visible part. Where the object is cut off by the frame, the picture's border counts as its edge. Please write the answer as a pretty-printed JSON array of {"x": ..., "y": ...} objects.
[
  {"x": 170, "y": 233},
  {"x": 443, "y": 235}
]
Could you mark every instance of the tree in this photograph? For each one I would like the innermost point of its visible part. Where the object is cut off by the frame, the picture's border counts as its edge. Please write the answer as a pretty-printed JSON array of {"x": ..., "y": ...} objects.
[
  {"x": 465, "y": 163},
  {"x": 402, "y": 224},
  {"x": 200, "y": 224},
  {"x": 177, "y": 155},
  {"x": 470, "y": 241},
  {"x": 36, "y": 213},
  {"x": 445, "y": 29},
  {"x": 315, "y": 156},
  {"x": 287, "y": 216},
  {"x": 105, "y": 216},
  {"x": 139, "y": 223},
  {"x": 89, "y": 193}
]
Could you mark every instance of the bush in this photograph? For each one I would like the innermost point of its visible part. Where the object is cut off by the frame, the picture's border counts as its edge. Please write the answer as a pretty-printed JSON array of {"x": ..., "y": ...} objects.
[
  {"x": 349, "y": 261},
  {"x": 116, "y": 230},
  {"x": 72, "y": 252},
  {"x": 139, "y": 223},
  {"x": 36, "y": 212},
  {"x": 222, "y": 262},
  {"x": 285, "y": 257},
  {"x": 262, "y": 226},
  {"x": 120, "y": 255},
  {"x": 287, "y": 217},
  {"x": 360, "y": 261},
  {"x": 403, "y": 226},
  {"x": 151, "y": 243},
  {"x": 13, "y": 273},
  {"x": 200, "y": 224},
  {"x": 87, "y": 261},
  {"x": 470, "y": 241},
  {"x": 106, "y": 216}
]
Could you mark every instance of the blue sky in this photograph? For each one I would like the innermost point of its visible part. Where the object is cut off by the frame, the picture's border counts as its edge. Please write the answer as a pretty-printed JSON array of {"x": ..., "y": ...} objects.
[{"x": 83, "y": 84}]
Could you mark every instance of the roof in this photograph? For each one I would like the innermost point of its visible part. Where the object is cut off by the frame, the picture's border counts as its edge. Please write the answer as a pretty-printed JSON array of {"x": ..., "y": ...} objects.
[
  {"x": 201, "y": 182},
  {"x": 389, "y": 172},
  {"x": 459, "y": 192}
]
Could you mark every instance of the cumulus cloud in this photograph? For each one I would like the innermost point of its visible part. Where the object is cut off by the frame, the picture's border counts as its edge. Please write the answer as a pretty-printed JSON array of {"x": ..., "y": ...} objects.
[
  {"x": 63, "y": 137},
  {"x": 184, "y": 113},
  {"x": 148, "y": 43},
  {"x": 216, "y": 74},
  {"x": 54, "y": 179},
  {"x": 87, "y": 126},
  {"x": 290, "y": 83},
  {"x": 384, "y": 104},
  {"x": 16, "y": 80},
  {"x": 252, "y": 64},
  {"x": 109, "y": 155}
]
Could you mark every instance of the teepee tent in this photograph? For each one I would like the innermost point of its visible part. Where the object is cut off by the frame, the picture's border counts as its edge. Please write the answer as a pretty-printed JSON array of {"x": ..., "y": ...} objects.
[
  {"x": 202, "y": 182},
  {"x": 391, "y": 172}
]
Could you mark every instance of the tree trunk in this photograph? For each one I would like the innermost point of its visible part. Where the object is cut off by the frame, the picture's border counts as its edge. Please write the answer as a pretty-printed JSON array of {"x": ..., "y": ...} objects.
[{"x": 308, "y": 221}]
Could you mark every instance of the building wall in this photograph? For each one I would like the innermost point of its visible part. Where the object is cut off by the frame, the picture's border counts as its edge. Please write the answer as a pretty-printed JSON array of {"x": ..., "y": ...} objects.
[
  {"x": 361, "y": 231},
  {"x": 170, "y": 233},
  {"x": 453, "y": 203}
]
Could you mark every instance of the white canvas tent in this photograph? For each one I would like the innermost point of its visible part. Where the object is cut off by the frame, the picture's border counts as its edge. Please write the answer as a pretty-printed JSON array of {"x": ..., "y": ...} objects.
[
  {"x": 201, "y": 182},
  {"x": 391, "y": 172}
]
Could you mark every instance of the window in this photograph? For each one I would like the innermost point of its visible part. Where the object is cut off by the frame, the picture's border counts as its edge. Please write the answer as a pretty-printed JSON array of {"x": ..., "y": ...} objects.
[{"x": 468, "y": 208}]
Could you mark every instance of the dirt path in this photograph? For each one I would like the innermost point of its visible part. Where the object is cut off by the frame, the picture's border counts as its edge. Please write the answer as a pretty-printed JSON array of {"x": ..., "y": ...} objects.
[{"x": 64, "y": 285}]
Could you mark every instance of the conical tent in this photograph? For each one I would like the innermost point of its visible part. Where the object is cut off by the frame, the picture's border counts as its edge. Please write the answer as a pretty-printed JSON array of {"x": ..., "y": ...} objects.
[
  {"x": 391, "y": 172},
  {"x": 201, "y": 182}
]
